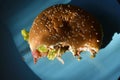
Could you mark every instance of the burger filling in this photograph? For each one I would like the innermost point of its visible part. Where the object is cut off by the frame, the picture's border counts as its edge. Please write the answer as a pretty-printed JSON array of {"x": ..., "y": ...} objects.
[
  {"x": 51, "y": 52},
  {"x": 56, "y": 51}
]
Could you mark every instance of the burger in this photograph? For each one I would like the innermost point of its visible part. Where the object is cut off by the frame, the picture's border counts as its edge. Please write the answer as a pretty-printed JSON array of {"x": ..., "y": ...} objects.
[{"x": 62, "y": 28}]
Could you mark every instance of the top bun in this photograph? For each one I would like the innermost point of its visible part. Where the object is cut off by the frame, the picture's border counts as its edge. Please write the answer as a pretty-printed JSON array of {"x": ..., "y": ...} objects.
[{"x": 66, "y": 25}]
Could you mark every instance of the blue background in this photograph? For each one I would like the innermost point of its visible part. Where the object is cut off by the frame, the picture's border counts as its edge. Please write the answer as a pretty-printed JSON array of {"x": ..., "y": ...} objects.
[{"x": 15, "y": 15}]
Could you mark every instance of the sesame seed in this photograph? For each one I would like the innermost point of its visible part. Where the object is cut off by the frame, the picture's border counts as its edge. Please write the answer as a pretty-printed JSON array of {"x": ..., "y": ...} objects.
[
  {"x": 89, "y": 39},
  {"x": 61, "y": 8},
  {"x": 69, "y": 37},
  {"x": 78, "y": 26},
  {"x": 91, "y": 26},
  {"x": 54, "y": 36},
  {"x": 73, "y": 32},
  {"x": 71, "y": 17},
  {"x": 76, "y": 29},
  {"x": 50, "y": 35},
  {"x": 35, "y": 41},
  {"x": 49, "y": 30},
  {"x": 98, "y": 41},
  {"x": 96, "y": 33},
  {"x": 68, "y": 5},
  {"x": 77, "y": 42},
  {"x": 80, "y": 17},
  {"x": 93, "y": 21},
  {"x": 57, "y": 35},
  {"x": 84, "y": 20},
  {"x": 47, "y": 22},
  {"x": 48, "y": 12},
  {"x": 76, "y": 35},
  {"x": 84, "y": 38},
  {"x": 83, "y": 23},
  {"x": 81, "y": 35},
  {"x": 34, "y": 31},
  {"x": 58, "y": 19},
  {"x": 69, "y": 11},
  {"x": 37, "y": 27},
  {"x": 61, "y": 25},
  {"x": 90, "y": 35},
  {"x": 68, "y": 33},
  {"x": 36, "y": 24},
  {"x": 49, "y": 25},
  {"x": 54, "y": 12},
  {"x": 66, "y": 11},
  {"x": 66, "y": 19},
  {"x": 73, "y": 39},
  {"x": 86, "y": 30},
  {"x": 48, "y": 38},
  {"x": 52, "y": 15},
  {"x": 75, "y": 14}
]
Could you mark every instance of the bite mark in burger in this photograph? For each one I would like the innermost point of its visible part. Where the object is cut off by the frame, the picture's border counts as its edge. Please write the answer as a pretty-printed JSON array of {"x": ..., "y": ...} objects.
[{"x": 62, "y": 28}]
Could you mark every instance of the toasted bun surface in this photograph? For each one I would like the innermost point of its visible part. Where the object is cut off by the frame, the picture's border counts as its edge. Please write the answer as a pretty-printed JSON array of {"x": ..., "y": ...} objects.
[{"x": 68, "y": 25}]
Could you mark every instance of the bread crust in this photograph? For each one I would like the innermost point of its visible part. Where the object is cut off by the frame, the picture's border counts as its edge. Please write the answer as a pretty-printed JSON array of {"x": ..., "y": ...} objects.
[{"x": 65, "y": 24}]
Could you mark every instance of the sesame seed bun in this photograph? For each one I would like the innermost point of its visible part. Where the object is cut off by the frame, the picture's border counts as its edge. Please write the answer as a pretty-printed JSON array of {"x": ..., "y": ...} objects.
[{"x": 67, "y": 25}]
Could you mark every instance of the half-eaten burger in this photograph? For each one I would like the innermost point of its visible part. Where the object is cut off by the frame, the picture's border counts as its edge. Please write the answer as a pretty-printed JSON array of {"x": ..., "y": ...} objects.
[{"x": 62, "y": 28}]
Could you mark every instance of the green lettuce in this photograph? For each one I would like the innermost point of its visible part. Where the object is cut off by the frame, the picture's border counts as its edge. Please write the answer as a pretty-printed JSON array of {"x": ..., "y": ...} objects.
[{"x": 25, "y": 34}]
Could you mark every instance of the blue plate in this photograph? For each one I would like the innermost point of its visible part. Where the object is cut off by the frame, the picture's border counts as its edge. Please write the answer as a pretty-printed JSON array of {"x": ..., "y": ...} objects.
[{"x": 17, "y": 61}]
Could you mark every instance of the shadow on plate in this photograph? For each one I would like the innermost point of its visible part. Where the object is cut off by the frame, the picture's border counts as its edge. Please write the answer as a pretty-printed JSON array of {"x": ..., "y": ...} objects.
[{"x": 118, "y": 1}]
